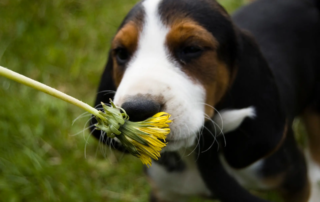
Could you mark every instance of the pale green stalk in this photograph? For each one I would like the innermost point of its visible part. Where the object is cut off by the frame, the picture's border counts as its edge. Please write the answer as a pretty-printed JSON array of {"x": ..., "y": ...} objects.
[{"x": 46, "y": 89}]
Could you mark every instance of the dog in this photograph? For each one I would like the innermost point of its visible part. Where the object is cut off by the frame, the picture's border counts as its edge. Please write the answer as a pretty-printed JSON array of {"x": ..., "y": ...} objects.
[{"x": 233, "y": 85}]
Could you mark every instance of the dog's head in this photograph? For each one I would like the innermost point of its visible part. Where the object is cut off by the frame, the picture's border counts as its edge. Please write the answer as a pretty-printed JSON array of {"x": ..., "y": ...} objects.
[
  {"x": 173, "y": 56},
  {"x": 179, "y": 57}
]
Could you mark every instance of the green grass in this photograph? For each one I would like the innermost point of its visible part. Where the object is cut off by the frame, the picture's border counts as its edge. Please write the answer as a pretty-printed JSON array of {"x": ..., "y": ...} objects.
[{"x": 43, "y": 156}]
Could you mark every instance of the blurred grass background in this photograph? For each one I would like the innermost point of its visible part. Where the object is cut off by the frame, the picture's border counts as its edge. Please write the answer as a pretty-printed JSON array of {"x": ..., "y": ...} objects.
[{"x": 43, "y": 156}]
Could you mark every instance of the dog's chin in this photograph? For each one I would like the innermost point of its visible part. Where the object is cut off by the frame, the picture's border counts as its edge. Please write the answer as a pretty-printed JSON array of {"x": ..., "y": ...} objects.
[{"x": 175, "y": 145}]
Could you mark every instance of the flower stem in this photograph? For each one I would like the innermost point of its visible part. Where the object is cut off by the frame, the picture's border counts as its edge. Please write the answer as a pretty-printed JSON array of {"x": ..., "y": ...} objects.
[{"x": 46, "y": 89}]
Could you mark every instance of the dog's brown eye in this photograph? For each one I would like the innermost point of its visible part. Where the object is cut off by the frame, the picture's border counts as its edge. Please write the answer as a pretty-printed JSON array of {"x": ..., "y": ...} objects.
[
  {"x": 121, "y": 55},
  {"x": 192, "y": 51},
  {"x": 188, "y": 53}
]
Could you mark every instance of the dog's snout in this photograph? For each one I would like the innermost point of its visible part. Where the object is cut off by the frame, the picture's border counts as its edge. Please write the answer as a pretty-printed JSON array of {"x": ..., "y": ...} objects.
[{"x": 140, "y": 109}]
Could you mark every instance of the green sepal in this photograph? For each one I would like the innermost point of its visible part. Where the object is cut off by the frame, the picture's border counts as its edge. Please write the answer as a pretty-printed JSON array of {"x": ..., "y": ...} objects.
[
  {"x": 131, "y": 148},
  {"x": 131, "y": 133},
  {"x": 114, "y": 114}
]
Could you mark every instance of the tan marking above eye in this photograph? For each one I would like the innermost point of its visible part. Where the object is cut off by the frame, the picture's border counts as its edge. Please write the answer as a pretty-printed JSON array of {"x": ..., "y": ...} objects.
[
  {"x": 127, "y": 37},
  {"x": 189, "y": 32}
]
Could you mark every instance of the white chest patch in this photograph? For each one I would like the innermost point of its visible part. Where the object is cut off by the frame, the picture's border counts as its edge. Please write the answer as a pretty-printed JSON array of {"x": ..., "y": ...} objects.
[{"x": 174, "y": 186}]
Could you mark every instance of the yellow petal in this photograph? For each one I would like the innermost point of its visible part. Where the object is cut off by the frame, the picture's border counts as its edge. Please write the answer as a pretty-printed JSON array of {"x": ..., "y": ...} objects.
[
  {"x": 146, "y": 160},
  {"x": 161, "y": 114},
  {"x": 160, "y": 133}
]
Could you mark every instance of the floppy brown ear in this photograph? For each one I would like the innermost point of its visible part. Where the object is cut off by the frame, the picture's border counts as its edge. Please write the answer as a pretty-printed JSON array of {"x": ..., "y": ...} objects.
[
  {"x": 105, "y": 92},
  {"x": 254, "y": 86}
]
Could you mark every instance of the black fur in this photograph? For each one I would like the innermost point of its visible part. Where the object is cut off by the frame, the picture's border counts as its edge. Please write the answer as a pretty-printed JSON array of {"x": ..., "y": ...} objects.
[
  {"x": 224, "y": 187},
  {"x": 289, "y": 162},
  {"x": 172, "y": 162},
  {"x": 317, "y": 3},
  {"x": 253, "y": 86},
  {"x": 287, "y": 33}
]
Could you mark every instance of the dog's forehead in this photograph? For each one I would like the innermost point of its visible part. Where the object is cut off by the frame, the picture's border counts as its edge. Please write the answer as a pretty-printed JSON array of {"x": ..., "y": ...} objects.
[
  {"x": 201, "y": 11},
  {"x": 169, "y": 11}
]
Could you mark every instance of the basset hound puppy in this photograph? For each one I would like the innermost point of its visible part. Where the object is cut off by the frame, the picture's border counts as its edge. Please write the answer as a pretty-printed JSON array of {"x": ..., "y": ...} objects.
[{"x": 233, "y": 85}]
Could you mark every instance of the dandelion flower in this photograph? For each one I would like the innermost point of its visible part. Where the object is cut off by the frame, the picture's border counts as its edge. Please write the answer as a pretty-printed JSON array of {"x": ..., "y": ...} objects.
[{"x": 142, "y": 139}]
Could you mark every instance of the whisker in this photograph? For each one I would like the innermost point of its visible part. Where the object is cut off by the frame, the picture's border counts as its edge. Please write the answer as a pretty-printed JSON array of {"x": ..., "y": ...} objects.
[
  {"x": 215, "y": 140},
  {"x": 111, "y": 145},
  {"x": 221, "y": 131},
  {"x": 224, "y": 138},
  {"x": 86, "y": 143},
  {"x": 199, "y": 149},
  {"x": 86, "y": 125},
  {"x": 196, "y": 146},
  {"x": 83, "y": 130},
  {"x": 220, "y": 116},
  {"x": 101, "y": 144},
  {"x": 85, "y": 114},
  {"x": 107, "y": 92},
  {"x": 215, "y": 125},
  {"x": 217, "y": 113}
]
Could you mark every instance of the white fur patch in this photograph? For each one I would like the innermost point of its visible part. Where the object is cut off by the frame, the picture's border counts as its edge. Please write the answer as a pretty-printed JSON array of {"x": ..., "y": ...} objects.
[
  {"x": 314, "y": 178},
  {"x": 178, "y": 186},
  {"x": 230, "y": 120},
  {"x": 151, "y": 72}
]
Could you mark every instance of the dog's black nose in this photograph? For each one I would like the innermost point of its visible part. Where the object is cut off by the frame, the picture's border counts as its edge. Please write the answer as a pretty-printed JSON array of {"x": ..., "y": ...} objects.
[{"x": 141, "y": 108}]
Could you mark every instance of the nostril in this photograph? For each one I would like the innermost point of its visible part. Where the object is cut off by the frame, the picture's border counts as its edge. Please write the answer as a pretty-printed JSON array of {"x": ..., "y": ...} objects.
[{"x": 140, "y": 109}]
